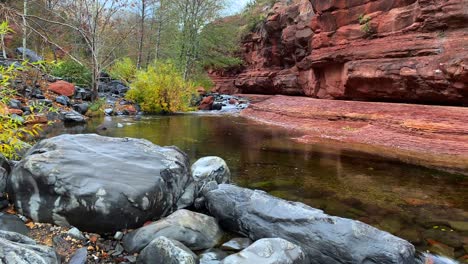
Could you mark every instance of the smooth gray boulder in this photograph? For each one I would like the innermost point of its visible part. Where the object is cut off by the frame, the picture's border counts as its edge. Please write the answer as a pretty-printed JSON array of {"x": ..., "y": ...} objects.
[
  {"x": 163, "y": 250},
  {"x": 12, "y": 223},
  {"x": 79, "y": 257},
  {"x": 204, "y": 170},
  {"x": 98, "y": 184},
  {"x": 269, "y": 251},
  {"x": 18, "y": 249},
  {"x": 73, "y": 116},
  {"x": 194, "y": 230},
  {"x": 325, "y": 239}
]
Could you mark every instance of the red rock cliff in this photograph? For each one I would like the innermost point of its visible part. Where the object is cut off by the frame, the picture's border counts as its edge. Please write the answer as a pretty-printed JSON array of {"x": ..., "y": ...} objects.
[{"x": 373, "y": 50}]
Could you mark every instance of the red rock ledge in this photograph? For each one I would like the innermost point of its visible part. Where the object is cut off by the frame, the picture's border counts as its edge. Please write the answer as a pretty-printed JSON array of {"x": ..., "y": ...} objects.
[{"x": 431, "y": 136}]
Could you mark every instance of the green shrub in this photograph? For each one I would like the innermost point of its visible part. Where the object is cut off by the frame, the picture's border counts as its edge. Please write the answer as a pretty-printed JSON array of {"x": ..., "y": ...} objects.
[
  {"x": 12, "y": 130},
  {"x": 124, "y": 70},
  {"x": 365, "y": 23},
  {"x": 161, "y": 89},
  {"x": 73, "y": 72}
]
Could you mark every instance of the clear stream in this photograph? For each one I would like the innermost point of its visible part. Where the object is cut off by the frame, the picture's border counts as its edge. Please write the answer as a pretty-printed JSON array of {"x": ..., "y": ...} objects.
[{"x": 421, "y": 205}]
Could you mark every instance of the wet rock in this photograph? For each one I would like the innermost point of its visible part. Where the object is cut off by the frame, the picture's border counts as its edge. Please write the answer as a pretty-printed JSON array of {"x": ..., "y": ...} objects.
[
  {"x": 269, "y": 251},
  {"x": 79, "y": 257},
  {"x": 18, "y": 249},
  {"x": 12, "y": 223},
  {"x": 117, "y": 183},
  {"x": 81, "y": 108},
  {"x": 109, "y": 111},
  {"x": 63, "y": 100},
  {"x": 204, "y": 170},
  {"x": 73, "y": 117},
  {"x": 441, "y": 249},
  {"x": 443, "y": 235},
  {"x": 163, "y": 250},
  {"x": 62, "y": 88},
  {"x": 432, "y": 259},
  {"x": 206, "y": 103},
  {"x": 325, "y": 239},
  {"x": 217, "y": 106},
  {"x": 212, "y": 256},
  {"x": 196, "y": 231},
  {"x": 3, "y": 180},
  {"x": 237, "y": 244}
]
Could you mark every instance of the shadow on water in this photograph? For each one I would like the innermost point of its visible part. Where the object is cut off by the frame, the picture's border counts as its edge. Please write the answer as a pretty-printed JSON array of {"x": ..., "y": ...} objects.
[{"x": 427, "y": 207}]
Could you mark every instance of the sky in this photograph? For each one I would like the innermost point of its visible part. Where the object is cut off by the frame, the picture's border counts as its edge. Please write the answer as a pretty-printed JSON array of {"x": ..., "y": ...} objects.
[{"x": 236, "y": 6}]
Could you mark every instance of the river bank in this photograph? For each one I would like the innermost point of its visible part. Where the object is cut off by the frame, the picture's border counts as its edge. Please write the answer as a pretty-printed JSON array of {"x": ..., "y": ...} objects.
[{"x": 430, "y": 136}]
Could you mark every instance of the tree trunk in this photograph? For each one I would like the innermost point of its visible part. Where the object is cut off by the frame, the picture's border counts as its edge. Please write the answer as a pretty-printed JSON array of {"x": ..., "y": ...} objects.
[
  {"x": 25, "y": 13},
  {"x": 3, "y": 46},
  {"x": 142, "y": 33}
]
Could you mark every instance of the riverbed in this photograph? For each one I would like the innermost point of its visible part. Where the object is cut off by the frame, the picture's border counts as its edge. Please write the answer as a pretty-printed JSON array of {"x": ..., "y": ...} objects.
[{"x": 419, "y": 204}]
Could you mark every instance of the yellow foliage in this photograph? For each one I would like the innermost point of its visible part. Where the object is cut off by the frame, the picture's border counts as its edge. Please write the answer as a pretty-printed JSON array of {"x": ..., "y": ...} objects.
[{"x": 161, "y": 89}]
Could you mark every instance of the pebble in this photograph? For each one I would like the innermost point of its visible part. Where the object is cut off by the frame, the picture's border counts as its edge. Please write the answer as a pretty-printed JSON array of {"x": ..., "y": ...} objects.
[{"x": 76, "y": 233}]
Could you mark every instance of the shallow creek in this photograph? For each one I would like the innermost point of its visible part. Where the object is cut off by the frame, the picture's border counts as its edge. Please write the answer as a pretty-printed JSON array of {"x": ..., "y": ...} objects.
[{"x": 421, "y": 205}]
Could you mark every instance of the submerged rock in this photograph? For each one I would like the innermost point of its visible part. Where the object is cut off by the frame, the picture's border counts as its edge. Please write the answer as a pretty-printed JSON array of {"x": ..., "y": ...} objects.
[
  {"x": 98, "y": 184},
  {"x": 163, "y": 250},
  {"x": 18, "y": 249},
  {"x": 196, "y": 231},
  {"x": 269, "y": 251},
  {"x": 325, "y": 239}
]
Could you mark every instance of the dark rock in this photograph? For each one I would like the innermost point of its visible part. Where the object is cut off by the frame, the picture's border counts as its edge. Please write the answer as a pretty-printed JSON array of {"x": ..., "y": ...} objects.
[
  {"x": 63, "y": 100},
  {"x": 212, "y": 256},
  {"x": 4, "y": 163},
  {"x": 12, "y": 223},
  {"x": 269, "y": 251},
  {"x": 17, "y": 118},
  {"x": 73, "y": 117},
  {"x": 31, "y": 56},
  {"x": 62, "y": 246},
  {"x": 15, "y": 104},
  {"x": 81, "y": 108},
  {"x": 217, "y": 106},
  {"x": 325, "y": 239},
  {"x": 163, "y": 250},
  {"x": 117, "y": 183},
  {"x": 39, "y": 96},
  {"x": 83, "y": 94},
  {"x": 18, "y": 249},
  {"x": 45, "y": 102},
  {"x": 196, "y": 231},
  {"x": 237, "y": 244},
  {"x": 79, "y": 257}
]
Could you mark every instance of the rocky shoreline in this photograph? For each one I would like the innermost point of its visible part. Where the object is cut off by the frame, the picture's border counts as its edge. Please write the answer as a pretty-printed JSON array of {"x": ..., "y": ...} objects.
[
  {"x": 430, "y": 136},
  {"x": 144, "y": 203}
]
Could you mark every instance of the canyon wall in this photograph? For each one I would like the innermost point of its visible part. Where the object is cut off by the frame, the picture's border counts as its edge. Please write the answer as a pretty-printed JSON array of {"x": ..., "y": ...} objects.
[{"x": 412, "y": 51}]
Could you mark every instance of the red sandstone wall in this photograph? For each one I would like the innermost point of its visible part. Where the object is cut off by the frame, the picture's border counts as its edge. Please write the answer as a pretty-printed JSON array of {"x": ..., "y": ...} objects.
[{"x": 415, "y": 51}]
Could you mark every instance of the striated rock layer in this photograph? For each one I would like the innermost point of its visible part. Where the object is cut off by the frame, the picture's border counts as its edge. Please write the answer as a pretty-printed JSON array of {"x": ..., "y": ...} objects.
[{"x": 375, "y": 50}]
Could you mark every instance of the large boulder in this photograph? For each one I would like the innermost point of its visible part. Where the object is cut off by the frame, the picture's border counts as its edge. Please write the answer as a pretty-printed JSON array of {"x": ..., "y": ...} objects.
[
  {"x": 98, "y": 184},
  {"x": 194, "y": 230},
  {"x": 269, "y": 251},
  {"x": 62, "y": 88},
  {"x": 18, "y": 249},
  {"x": 163, "y": 250},
  {"x": 325, "y": 239}
]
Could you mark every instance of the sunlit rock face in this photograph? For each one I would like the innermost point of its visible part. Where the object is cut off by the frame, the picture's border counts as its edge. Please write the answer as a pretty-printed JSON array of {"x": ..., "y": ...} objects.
[
  {"x": 98, "y": 184},
  {"x": 385, "y": 50}
]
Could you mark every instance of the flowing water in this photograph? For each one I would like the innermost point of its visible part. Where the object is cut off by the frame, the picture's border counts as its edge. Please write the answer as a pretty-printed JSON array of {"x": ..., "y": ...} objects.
[{"x": 421, "y": 205}]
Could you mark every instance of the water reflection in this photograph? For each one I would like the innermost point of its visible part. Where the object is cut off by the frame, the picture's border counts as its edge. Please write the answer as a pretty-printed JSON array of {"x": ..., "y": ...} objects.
[{"x": 421, "y": 205}]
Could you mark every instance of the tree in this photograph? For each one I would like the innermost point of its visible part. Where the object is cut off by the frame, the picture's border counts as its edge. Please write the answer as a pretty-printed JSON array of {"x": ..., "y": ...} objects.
[
  {"x": 95, "y": 21},
  {"x": 194, "y": 15}
]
